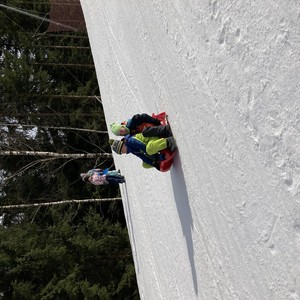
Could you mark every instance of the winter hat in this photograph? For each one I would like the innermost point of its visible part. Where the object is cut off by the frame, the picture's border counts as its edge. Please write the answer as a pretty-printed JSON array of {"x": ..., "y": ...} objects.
[
  {"x": 117, "y": 146},
  {"x": 115, "y": 128}
]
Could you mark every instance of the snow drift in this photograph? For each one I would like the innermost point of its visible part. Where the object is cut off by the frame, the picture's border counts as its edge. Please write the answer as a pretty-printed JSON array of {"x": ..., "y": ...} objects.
[{"x": 224, "y": 223}]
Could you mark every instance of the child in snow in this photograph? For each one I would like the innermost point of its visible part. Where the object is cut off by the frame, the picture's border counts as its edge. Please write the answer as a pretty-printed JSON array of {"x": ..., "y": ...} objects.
[
  {"x": 102, "y": 177},
  {"x": 141, "y": 123},
  {"x": 146, "y": 148}
]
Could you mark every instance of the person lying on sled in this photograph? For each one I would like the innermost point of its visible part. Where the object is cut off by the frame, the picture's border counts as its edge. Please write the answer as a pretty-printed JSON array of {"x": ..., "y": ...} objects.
[
  {"x": 102, "y": 177},
  {"x": 141, "y": 123},
  {"x": 146, "y": 148}
]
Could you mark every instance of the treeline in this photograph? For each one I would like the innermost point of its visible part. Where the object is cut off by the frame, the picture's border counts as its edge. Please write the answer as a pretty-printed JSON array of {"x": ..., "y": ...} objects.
[{"x": 49, "y": 90}]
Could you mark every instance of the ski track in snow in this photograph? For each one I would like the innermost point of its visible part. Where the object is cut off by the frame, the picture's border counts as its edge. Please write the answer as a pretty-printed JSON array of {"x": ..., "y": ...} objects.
[{"x": 224, "y": 223}]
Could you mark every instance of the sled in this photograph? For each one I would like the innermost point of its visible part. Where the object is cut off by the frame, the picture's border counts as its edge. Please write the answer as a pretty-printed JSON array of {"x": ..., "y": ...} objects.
[
  {"x": 164, "y": 165},
  {"x": 162, "y": 117}
]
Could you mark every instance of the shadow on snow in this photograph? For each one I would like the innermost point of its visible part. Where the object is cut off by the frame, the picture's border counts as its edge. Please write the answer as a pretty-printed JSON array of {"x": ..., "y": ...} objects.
[{"x": 184, "y": 212}]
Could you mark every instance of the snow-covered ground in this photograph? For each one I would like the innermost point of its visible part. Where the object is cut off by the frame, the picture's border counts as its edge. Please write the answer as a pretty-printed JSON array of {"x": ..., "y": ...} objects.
[{"x": 224, "y": 223}]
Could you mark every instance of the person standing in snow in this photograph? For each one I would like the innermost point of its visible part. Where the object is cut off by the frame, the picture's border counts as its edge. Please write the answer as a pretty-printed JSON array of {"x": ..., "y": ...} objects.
[
  {"x": 141, "y": 123},
  {"x": 146, "y": 148},
  {"x": 102, "y": 177}
]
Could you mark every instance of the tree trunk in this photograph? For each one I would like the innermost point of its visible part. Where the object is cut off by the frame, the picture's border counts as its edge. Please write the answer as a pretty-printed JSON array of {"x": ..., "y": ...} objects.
[
  {"x": 60, "y": 35},
  {"x": 52, "y": 127},
  {"x": 3, "y": 114},
  {"x": 55, "y": 65},
  {"x": 58, "y": 202},
  {"x": 65, "y": 47},
  {"x": 51, "y": 96},
  {"x": 55, "y": 155}
]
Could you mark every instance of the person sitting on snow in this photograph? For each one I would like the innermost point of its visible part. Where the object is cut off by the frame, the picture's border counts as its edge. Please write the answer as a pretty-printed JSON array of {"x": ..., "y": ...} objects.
[
  {"x": 102, "y": 177},
  {"x": 146, "y": 148},
  {"x": 141, "y": 123}
]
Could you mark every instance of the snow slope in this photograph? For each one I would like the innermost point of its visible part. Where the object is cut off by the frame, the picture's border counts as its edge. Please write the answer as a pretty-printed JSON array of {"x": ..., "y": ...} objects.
[{"x": 224, "y": 223}]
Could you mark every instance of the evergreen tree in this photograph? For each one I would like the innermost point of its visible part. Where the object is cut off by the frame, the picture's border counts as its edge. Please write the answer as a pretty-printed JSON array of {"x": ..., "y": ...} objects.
[
  {"x": 72, "y": 251},
  {"x": 64, "y": 256}
]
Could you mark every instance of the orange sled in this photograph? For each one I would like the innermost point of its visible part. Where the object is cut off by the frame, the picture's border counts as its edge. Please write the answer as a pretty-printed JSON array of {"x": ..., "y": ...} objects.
[
  {"x": 165, "y": 165},
  {"x": 162, "y": 117}
]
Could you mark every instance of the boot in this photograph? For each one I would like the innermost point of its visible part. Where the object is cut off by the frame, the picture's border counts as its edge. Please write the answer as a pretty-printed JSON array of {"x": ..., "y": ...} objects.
[{"x": 171, "y": 143}]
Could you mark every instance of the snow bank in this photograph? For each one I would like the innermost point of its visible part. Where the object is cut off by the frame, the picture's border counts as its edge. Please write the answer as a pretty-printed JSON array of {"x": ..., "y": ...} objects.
[{"x": 224, "y": 223}]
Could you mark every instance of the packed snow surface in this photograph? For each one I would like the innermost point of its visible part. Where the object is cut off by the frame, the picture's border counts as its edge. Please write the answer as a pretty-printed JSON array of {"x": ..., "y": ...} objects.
[{"x": 224, "y": 222}]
